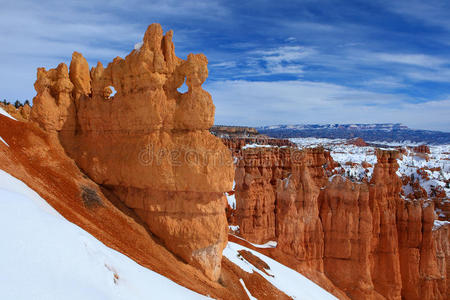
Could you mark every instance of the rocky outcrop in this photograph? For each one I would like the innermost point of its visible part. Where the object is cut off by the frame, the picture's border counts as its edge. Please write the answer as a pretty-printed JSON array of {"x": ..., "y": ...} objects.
[
  {"x": 363, "y": 236},
  {"x": 21, "y": 113},
  {"x": 424, "y": 252},
  {"x": 148, "y": 143},
  {"x": 233, "y": 131},
  {"x": 358, "y": 142},
  {"x": 236, "y": 144},
  {"x": 422, "y": 149},
  {"x": 37, "y": 158}
]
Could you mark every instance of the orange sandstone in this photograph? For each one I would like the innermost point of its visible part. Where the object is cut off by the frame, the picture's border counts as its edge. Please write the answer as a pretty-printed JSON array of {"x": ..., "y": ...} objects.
[{"x": 148, "y": 144}]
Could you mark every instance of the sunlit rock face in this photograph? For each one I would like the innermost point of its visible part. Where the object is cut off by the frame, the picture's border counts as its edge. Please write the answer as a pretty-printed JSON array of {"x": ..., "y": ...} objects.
[
  {"x": 363, "y": 235},
  {"x": 130, "y": 130}
]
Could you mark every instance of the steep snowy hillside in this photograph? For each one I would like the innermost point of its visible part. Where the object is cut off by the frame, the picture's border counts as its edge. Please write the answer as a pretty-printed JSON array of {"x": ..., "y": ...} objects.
[
  {"x": 46, "y": 257},
  {"x": 285, "y": 279},
  {"x": 370, "y": 132}
]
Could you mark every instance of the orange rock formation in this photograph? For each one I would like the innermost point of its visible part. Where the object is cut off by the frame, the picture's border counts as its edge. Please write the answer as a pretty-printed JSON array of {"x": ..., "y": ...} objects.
[
  {"x": 21, "y": 113},
  {"x": 148, "y": 144},
  {"x": 363, "y": 237}
]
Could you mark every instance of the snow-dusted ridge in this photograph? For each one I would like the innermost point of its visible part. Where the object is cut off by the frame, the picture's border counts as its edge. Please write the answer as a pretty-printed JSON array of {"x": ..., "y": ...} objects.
[
  {"x": 435, "y": 166},
  {"x": 3, "y": 112},
  {"x": 355, "y": 126}
]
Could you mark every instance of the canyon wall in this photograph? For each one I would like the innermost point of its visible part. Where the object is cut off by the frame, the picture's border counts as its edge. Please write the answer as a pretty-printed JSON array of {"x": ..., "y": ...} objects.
[
  {"x": 147, "y": 144},
  {"x": 362, "y": 236}
]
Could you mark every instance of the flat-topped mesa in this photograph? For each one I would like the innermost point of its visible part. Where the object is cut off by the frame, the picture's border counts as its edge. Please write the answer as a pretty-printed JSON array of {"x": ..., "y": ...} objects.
[{"x": 148, "y": 143}]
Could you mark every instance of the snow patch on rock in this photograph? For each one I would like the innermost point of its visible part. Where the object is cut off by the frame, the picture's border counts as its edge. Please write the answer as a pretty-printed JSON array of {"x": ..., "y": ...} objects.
[{"x": 283, "y": 278}]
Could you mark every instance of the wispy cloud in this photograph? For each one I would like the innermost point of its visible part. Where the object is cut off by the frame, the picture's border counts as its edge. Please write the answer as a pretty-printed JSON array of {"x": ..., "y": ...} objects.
[
  {"x": 312, "y": 102},
  {"x": 432, "y": 12},
  {"x": 420, "y": 60}
]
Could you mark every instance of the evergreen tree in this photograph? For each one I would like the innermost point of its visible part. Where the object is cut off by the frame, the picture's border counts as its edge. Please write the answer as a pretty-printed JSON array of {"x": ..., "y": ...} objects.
[{"x": 17, "y": 104}]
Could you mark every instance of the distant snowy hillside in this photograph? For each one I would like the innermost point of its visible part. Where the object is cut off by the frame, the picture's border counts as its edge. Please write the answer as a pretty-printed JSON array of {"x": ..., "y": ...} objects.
[
  {"x": 430, "y": 171},
  {"x": 388, "y": 132},
  {"x": 46, "y": 257},
  {"x": 381, "y": 126}
]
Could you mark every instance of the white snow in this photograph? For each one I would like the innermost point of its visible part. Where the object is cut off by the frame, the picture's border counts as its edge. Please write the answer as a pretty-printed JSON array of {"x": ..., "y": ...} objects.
[
  {"x": 285, "y": 279},
  {"x": 4, "y": 141},
  {"x": 246, "y": 290},
  {"x": 314, "y": 142},
  {"x": 3, "y": 112},
  {"x": 269, "y": 244},
  {"x": 438, "y": 224},
  {"x": 395, "y": 144},
  {"x": 438, "y": 158},
  {"x": 343, "y": 153},
  {"x": 409, "y": 163},
  {"x": 231, "y": 200},
  {"x": 46, "y": 257},
  {"x": 256, "y": 146},
  {"x": 233, "y": 227},
  {"x": 138, "y": 46},
  {"x": 113, "y": 91}
]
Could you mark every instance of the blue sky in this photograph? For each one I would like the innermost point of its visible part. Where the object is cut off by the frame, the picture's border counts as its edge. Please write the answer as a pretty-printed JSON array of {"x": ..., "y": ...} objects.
[{"x": 270, "y": 62}]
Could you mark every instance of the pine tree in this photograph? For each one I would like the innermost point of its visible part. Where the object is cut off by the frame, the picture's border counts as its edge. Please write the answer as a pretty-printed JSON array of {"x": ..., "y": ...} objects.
[{"x": 17, "y": 104}]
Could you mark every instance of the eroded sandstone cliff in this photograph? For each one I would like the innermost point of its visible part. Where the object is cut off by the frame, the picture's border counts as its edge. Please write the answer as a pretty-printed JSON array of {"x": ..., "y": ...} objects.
[
  {"x": 148, "y": 143},
  {"x": 362, "y": 236}
]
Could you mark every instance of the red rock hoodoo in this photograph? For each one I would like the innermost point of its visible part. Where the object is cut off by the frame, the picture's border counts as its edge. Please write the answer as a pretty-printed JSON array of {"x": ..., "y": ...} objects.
[
  {"x": 357, "y": 239},
  {"x": 148, "y": 144}
]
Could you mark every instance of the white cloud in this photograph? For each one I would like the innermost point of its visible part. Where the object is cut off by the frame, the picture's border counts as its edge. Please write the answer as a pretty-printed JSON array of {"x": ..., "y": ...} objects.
[
  {"x": 224, "y": 64},
  {"x": 386, "y": 82},
  {"x": 278, "y": 60},
  {"x": 438, "y": 75},
  {"x": 262, "y": 103},
  {"x": 284, "y": 53},
  {"x": 420, "y": 60},
  {"x": 431, "y": 12}
]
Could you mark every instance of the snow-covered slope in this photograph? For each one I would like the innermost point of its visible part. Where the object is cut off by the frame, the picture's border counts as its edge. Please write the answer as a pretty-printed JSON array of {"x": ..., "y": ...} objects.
[
  {"x": 46, "y": 257},
  {"x": 3, "y": 112},
  {"x": 285, "y": 279}
]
